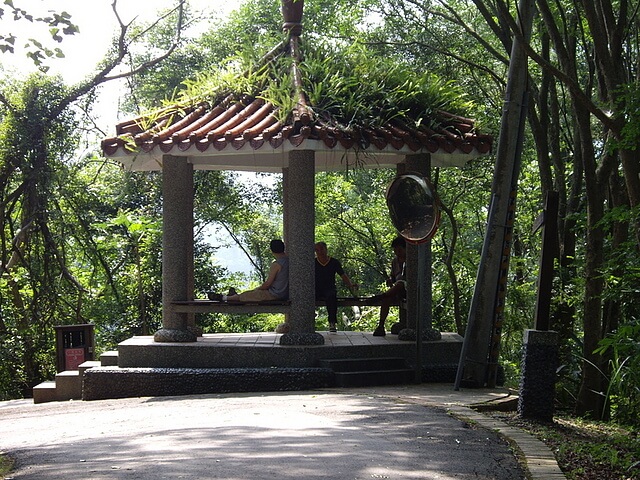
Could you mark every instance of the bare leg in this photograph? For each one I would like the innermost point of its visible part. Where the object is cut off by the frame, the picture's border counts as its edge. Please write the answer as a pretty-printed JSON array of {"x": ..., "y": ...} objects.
[{"x": 388, "y": 297}]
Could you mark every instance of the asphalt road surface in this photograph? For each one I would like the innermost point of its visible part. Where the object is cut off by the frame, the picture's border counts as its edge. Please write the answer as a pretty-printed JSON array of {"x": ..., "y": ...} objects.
[{"x": 331, "y": 434}]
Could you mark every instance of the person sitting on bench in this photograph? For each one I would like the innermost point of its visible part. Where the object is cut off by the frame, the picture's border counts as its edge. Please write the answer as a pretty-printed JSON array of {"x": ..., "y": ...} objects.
[
  {"x": 275, "y": 287},
  {"x": 396, "y": 283},
  {"x": 326, "y": 269}
]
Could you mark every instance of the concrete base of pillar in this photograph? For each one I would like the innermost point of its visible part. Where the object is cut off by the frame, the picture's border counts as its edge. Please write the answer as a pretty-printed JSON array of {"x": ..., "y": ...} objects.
[
  {"x": 302, "y": 339},
  {"x": 397, "y": 327},
  {"x": 261, "y": 350},
  {"x": 428, "y": 335},
  {"x": 196, "y": 330},
  {"x": 537, "y": 383},
  {"x": 166, "y": 335}
]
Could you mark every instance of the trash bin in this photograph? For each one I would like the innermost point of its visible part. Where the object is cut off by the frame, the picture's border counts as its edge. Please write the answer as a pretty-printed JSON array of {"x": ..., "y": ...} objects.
[{"x": 74, "y": 345}]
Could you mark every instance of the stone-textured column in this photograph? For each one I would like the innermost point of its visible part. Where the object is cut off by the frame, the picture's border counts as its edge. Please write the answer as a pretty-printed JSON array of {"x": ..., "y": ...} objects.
[
  {"x": 300, "y": 197},
  {"x": 286, "y": 222},
  {"x": 411, "y": 270},
  {"x": 191, "y": 317},
  {"x": 286, "y": 207},
  {"x": 177, "y": 247},
  {"x": 538, "y": 378}
]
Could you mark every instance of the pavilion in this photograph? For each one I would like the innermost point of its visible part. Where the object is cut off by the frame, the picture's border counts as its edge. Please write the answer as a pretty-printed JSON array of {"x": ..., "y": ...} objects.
[{"x": 248, "y": 133}]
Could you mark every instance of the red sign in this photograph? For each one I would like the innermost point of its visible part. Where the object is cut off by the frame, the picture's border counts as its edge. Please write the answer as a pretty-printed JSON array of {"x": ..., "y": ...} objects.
[{"x": 73, "y": 357}]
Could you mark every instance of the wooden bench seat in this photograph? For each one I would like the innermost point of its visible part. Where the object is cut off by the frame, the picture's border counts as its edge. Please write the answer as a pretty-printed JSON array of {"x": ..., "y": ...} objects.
[
  {"x": 357, "y": 302},
  {"x": 207, "y": 306}
]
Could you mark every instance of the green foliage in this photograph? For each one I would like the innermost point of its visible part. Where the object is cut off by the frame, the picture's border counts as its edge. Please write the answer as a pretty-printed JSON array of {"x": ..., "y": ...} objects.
[
  {"x": 236, "y": 42},
  {"x": 6, "y": 465},
  {"x": 239, "y": 323},
  {"x": 356, "y": 88},
  {"x": 34, "y": 136},
  {"x": 343, "y": 82},
  {"x": 347, "y": 85},
  {"x": 56, "y": 24},
  {"x": 238, "y": 76},
  {"x": 352, "y": 218},
  {"x": 583, "y": 448},
  {"x": 12, "y": 374},
  {"x": 457, "y": 246},
  {"x": 629, "y": 103},
  {"x": 623, "y": 349}
]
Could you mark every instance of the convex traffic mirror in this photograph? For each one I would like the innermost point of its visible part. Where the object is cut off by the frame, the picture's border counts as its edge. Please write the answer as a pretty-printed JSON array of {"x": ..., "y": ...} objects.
[{"x": 413, "y": 207}]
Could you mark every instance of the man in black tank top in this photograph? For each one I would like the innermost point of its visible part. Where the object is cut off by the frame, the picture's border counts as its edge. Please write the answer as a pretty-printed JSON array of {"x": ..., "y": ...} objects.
[{"x": 326, "y": 269}]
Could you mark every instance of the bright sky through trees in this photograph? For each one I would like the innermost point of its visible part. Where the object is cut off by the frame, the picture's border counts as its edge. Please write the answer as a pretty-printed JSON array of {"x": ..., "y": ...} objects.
[
  {"x": 82, "y": 51},
  {"x": 97, "y": 25}
]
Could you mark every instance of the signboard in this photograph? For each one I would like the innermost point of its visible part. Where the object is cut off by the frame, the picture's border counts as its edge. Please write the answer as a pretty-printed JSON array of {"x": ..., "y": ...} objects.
[{"x": 73, "y": 357}]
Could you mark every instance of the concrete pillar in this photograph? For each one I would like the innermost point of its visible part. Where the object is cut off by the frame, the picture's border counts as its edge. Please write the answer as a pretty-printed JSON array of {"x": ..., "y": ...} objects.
[
  {"x": 537, "y": 382},
  {"x": 286, "y": 222},
  {"x": 300, "y": 198},
  {"x": 286, "y": 207},
  {"x": 177, "y": 247}
]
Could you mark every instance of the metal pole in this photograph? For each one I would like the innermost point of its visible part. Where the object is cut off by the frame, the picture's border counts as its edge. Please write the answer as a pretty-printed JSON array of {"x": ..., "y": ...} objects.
[{"x": 421, "y": 275}]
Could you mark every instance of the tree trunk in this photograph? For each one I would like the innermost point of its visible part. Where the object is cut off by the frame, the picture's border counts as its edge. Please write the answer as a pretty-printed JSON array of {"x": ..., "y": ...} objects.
[
  {"x": 451, "y": 272},
  {"x": 590, "y": 400},
  {"x": 631, "y": 169},
  {"x": 478, "y": 361}
]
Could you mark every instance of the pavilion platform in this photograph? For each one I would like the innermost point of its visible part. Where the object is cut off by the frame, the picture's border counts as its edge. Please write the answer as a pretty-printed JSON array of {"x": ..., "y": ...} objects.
[
  {"x": 247, "y": 350},
  {"x": 227, "y": 362}
]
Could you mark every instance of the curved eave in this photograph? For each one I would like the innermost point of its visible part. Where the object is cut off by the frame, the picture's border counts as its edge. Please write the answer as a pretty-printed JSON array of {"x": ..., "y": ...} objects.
[
  {"x": 270, "y": 159},
  {"x": 246, "y": 134}
]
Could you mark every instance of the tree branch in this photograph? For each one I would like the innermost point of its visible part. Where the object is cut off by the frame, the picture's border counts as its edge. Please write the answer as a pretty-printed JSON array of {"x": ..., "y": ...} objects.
[
  {"x": 571, "y": 83},
  {"x": 244, "y": 250},
  {"x": 122, "y": 50}
]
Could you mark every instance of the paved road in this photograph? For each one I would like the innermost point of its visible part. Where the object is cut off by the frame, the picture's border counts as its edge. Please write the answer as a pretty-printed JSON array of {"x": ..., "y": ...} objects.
[{"x": 332, "y": 434}]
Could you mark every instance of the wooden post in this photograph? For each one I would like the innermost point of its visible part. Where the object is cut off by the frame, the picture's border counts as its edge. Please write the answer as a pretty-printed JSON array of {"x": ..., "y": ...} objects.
[
  {"x": 548, "y": 220},
  {"x": 478, "y": 366}
]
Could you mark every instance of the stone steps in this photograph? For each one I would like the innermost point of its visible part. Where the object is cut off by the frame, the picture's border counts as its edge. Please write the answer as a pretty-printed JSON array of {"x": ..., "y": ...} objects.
[
  {"x": 104, "y": 383},
  {"x": 67, "y": 384},
  {"x": 367, "y": 372},
  {"x": 241, "y": 363},
  {"x": 45, "y": 392},
  {"x": 109, "y": 359}
]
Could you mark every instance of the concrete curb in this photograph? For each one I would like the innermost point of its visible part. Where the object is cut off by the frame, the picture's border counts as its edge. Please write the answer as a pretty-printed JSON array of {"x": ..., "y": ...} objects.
[{"x": 538, "y": 458}]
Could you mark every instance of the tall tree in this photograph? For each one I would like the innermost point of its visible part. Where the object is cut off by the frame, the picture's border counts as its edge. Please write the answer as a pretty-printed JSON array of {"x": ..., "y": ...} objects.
[
  {"x": 39, "y": 128},
  {"x": 608, "y": 32},
  {"x": 581, "y": 120}
]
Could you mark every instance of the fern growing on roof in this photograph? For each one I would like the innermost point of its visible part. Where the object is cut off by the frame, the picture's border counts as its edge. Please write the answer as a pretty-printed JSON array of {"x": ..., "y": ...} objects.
[{"x": 345, "y": 86}]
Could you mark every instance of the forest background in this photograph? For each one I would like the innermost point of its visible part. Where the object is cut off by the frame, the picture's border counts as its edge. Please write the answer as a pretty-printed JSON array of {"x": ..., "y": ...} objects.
[{"x": 81, "y": 238}]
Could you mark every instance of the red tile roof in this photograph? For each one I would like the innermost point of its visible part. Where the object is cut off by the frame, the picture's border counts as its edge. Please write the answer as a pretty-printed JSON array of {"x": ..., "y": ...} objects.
[{"x": 248, "y": 133}]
